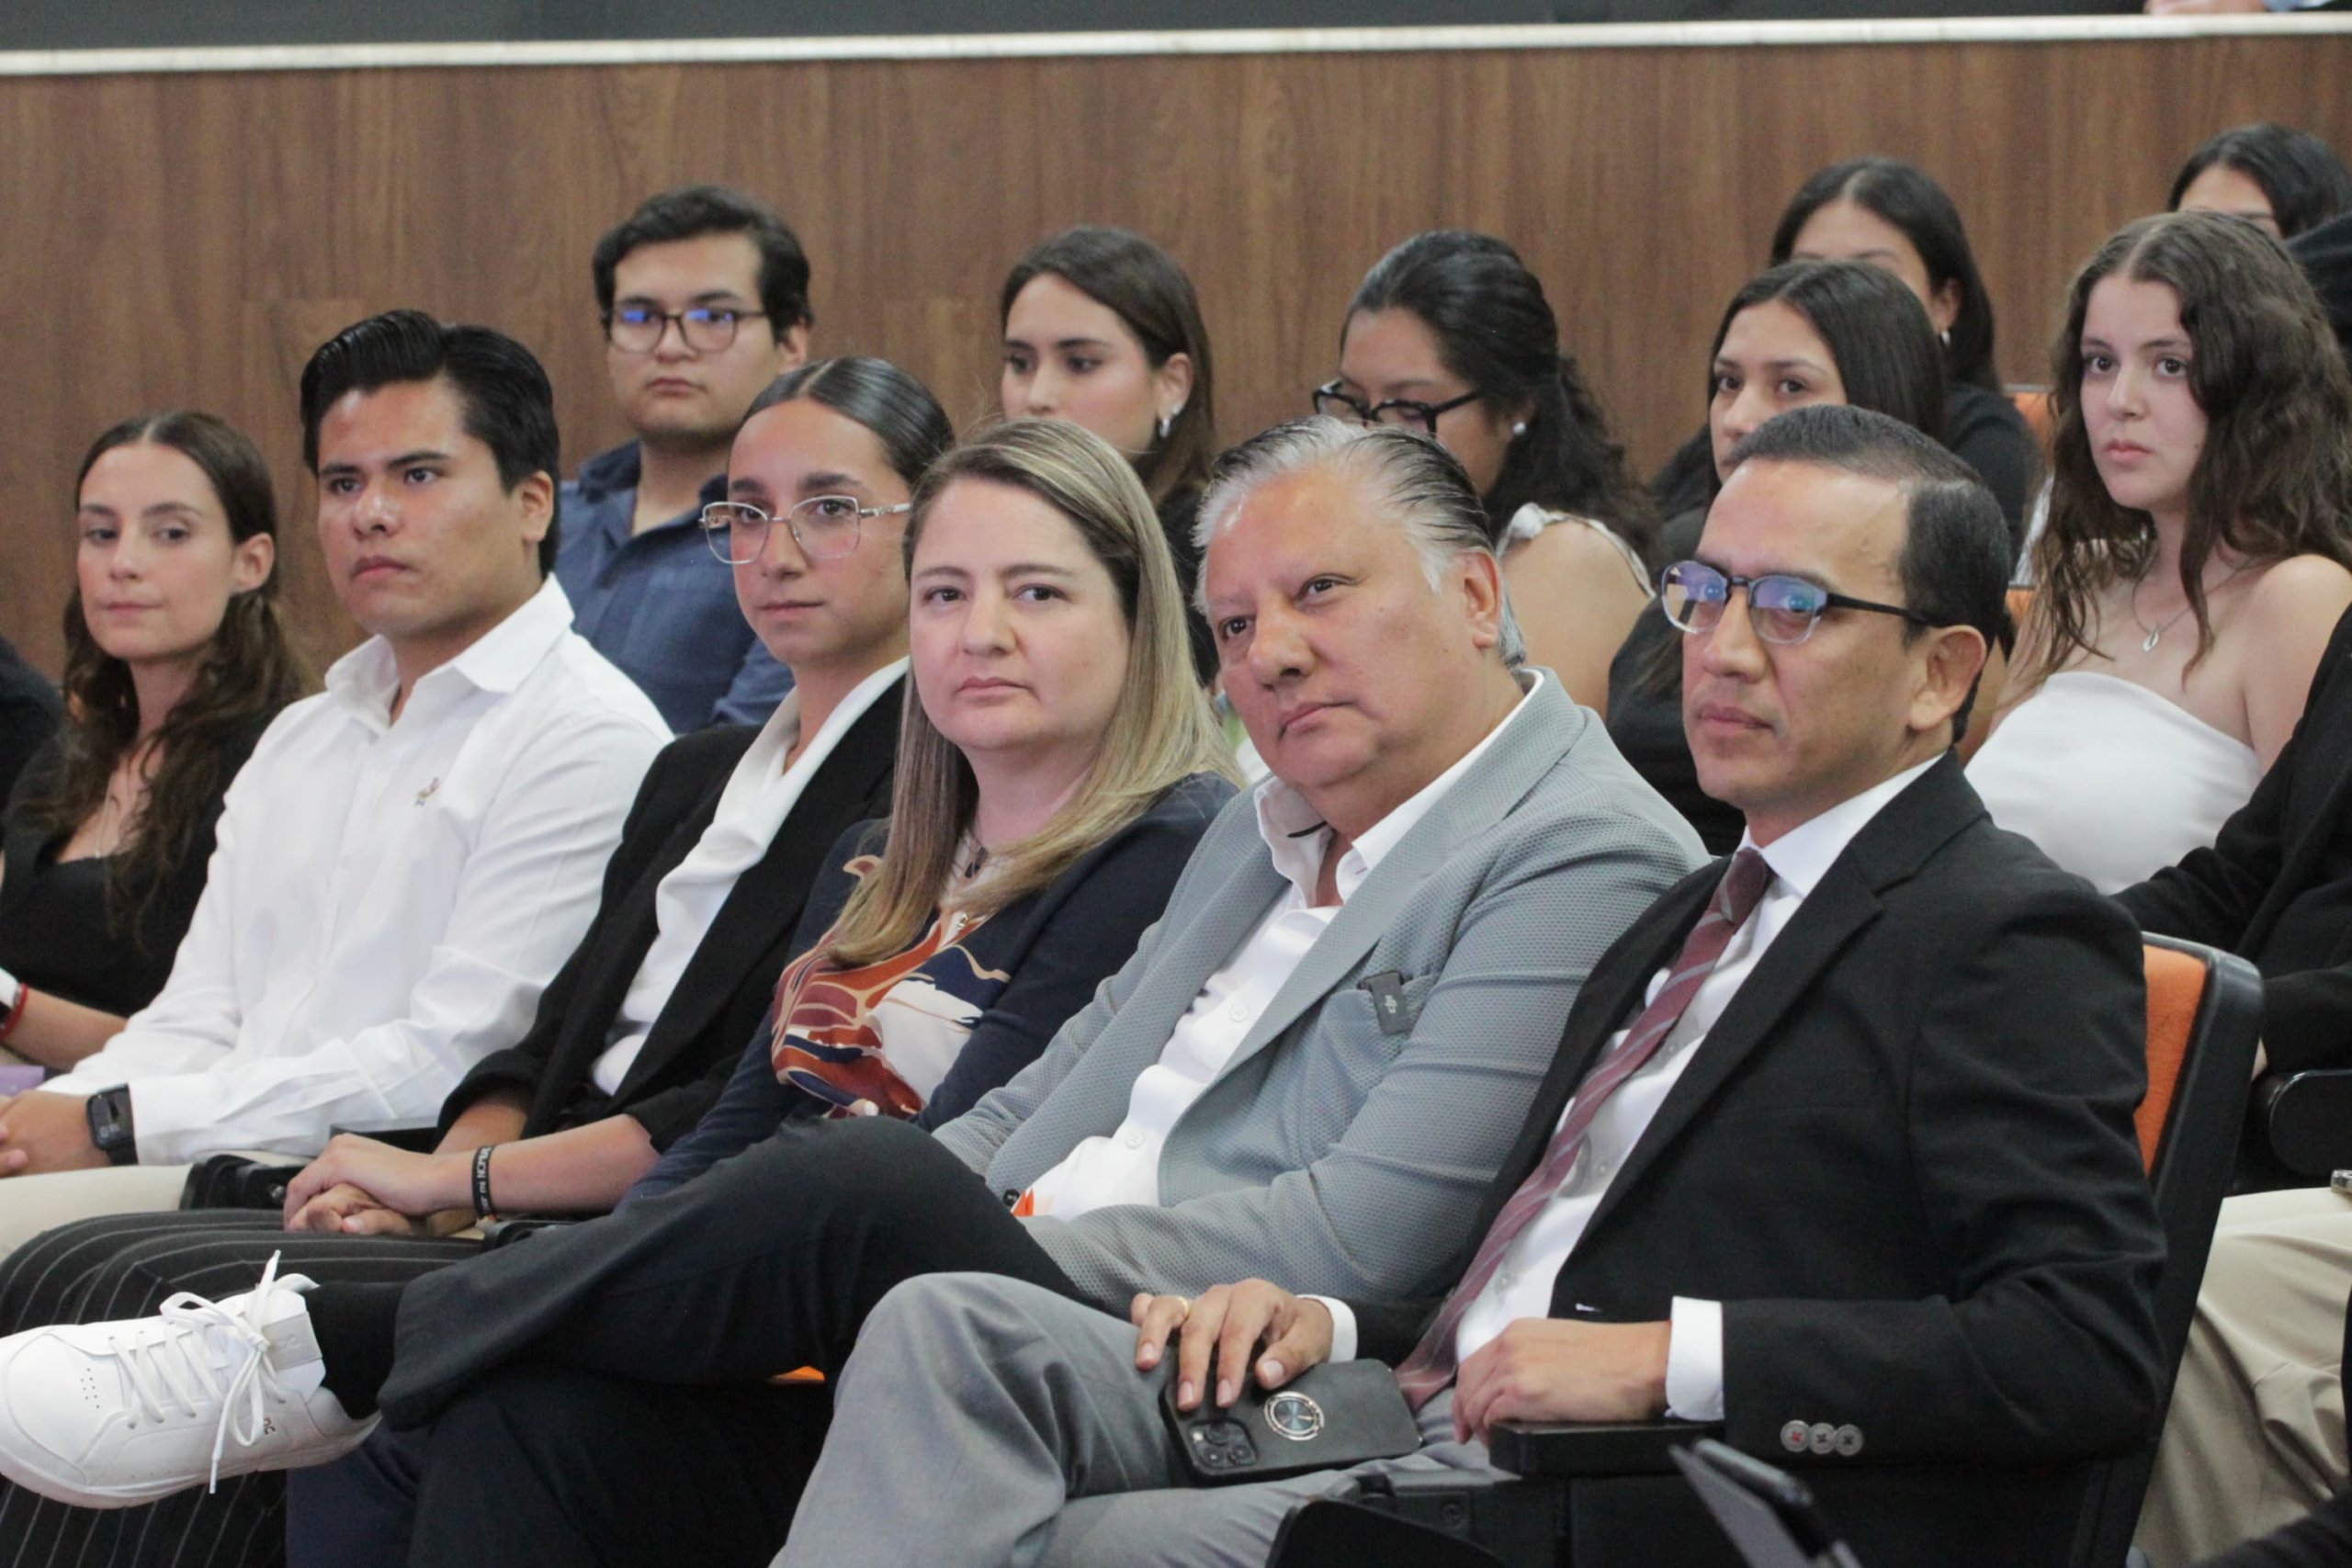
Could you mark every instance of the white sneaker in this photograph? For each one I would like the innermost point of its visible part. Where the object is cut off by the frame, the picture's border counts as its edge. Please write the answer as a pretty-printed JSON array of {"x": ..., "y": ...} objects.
[{"x": 109, "y": 1414}]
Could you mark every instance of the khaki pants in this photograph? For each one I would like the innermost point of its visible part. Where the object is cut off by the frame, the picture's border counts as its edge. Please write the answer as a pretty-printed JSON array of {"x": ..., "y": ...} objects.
[
  {"x": 32, "y": 1204},
  {"x": 2255, "y": 1439}
]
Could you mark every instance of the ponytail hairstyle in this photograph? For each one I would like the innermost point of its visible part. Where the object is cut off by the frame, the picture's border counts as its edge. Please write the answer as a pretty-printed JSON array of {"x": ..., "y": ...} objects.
[
  {"x": 2275, "y": 477},
  {"x": 1907, "y": 197},
  {"x": 249, "y": 672},
  {"x": 1496, "y": 330},
  {"x": 1140, "y": 284}
]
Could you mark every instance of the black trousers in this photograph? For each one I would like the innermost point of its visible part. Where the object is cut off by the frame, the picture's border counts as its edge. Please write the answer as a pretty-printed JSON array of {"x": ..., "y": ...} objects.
[
  {"x": 600, "y": 1393},
  {"x": 767, "y": 1262},
  {"x": 121, "y": 1266}
]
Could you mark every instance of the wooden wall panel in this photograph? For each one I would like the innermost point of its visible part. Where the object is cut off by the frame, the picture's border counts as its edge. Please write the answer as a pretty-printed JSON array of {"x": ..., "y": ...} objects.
[{"x": 187, "y": 239}]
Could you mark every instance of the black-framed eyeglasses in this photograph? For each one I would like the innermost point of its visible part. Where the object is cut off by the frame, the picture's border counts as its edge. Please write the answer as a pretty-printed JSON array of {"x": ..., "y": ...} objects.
[
  {"x": 1782, "y": 609},
  {"x": 826, "y": 527},
  {"x": 1403, "y": 412},
  {"x": 705, "y": 329}
]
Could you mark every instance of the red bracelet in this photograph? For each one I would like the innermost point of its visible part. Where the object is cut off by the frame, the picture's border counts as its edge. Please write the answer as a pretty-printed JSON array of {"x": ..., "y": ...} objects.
[{"x": 16, "y": 1013}]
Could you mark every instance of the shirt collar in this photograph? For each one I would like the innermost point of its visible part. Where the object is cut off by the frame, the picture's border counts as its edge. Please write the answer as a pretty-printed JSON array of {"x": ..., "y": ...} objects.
[
  {"x": 1296, "y": 835},
  {"x": 499, "y": 660},
  {"x": 1803, "y": 856},
  {"x": 609, "y": 473}
]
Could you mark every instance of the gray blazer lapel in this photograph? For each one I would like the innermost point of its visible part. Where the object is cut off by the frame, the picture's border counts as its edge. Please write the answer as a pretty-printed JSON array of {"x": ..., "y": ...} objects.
[{"x": 1522, "y": 754}]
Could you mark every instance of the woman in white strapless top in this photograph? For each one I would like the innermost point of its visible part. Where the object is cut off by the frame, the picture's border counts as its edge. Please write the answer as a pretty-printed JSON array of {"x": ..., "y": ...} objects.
[
  {"x": 2170, "y": 645},
  {"x": 1450, "y": 333}
]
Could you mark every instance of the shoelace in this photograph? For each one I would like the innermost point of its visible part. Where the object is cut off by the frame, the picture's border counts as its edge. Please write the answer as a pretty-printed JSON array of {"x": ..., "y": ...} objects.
[{"x": 166, "y": 1368}]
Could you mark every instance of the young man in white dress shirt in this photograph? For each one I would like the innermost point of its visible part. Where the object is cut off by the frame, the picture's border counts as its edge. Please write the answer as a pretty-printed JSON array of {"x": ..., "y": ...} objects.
[
  {"x": 408, "y": 856},
  {"x": 1836, "y": 1147}
]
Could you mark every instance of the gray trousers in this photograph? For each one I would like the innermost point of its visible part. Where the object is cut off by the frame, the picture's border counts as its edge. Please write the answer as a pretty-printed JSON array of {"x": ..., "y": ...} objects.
[{"x": 985, "y": 1421}]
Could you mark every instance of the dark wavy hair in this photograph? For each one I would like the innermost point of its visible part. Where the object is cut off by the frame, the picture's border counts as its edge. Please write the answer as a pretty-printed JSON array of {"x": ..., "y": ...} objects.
[
  {"x": 688, "y": 213},
  {"x": 1143, "y": 286},
  {"x": 250, "y": 672},
  {"x": 2275, "y": 477},
  {"x": 1908, "y": 197},
  {"x": 2306, "y": 182},
  {"x": 1496, "y": 330}
]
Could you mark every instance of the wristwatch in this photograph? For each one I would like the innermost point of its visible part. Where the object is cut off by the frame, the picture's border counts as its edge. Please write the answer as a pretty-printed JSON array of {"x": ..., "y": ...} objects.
[{"x": 110, "y": 1133}]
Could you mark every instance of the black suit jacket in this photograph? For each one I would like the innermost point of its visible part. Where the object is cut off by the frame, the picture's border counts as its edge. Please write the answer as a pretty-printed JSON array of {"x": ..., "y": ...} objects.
[
  {"x": 727, "y": 986},
  {"x": 1903, "y": 1159},
  {"x": 2276, "y": 888}
]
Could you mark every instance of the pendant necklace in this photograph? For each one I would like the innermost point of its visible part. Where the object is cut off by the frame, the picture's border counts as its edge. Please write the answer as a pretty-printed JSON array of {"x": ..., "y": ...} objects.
[{"x": 2156, "y": 634}]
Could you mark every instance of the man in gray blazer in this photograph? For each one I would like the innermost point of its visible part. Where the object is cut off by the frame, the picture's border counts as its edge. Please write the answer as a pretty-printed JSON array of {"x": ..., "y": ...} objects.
[{"x": 1314, "y": 1062}]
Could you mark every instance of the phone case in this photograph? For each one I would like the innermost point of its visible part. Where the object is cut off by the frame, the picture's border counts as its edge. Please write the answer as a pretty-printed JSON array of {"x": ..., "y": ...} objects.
[{"x": 1331, "y": 1416}]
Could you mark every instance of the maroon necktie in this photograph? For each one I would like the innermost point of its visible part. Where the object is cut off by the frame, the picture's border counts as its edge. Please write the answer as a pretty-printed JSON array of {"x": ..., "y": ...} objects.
[{"x": 1431, "y": 1366}]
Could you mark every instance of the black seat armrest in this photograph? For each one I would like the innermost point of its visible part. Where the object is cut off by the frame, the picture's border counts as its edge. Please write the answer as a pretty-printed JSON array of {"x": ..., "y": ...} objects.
[
  {"x": 2307, "y": 1118},
  {"x": 233, "y": 1181},
  {"x": 1571, "y": 1448},
  {"x": 416, "y": 1137},
  {"x": 496, "y": 1234}
]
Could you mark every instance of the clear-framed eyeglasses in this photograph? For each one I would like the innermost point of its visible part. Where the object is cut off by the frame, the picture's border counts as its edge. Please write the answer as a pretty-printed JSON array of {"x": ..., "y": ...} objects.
[
  {"x": 1403, "y": 412},
  {"x": 826, "y": 527},
  {"x": 705, "y": 329},
  {"x": 1781, "y": 609}
]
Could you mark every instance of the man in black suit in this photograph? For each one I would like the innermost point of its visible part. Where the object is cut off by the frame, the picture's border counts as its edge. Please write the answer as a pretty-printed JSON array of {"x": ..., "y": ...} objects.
[
  {"x": 1837, "y": 1147},
  {"x": 639, "y": 1030},
  {"x": 2255, "y": 1432}
]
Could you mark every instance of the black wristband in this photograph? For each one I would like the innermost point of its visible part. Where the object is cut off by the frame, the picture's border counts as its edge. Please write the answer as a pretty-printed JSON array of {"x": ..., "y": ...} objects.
[{"x": 482, "y": 1208}]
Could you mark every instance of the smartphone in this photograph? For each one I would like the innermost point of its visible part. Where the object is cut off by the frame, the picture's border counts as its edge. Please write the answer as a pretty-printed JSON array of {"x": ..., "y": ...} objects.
[{"x": 1328, "y": 1417}]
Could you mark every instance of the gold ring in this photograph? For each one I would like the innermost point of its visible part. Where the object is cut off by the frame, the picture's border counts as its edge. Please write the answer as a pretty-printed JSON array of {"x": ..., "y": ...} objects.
[{"x": 1187, "y": 1303}]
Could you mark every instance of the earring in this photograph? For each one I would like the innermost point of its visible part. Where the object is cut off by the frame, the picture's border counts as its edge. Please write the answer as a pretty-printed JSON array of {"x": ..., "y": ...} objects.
[
  {"x": 1519, "y": 428},
  {"x": 1167, "y": 423},
  {"x": 1946, "y": 335}
]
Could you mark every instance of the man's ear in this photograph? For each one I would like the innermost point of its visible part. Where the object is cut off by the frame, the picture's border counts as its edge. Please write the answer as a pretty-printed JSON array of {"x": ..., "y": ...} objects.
[
  {"x": 1481, "y": 579},
  {"x": 1955, "y": 657},
  {"x": 535, "y": 494}
]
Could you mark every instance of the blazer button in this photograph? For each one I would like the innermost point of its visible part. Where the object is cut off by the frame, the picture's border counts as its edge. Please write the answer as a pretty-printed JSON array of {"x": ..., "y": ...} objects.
[
  {"x": 1011, "y": 1197},
  {"x": 1792, "y": 1437},
  {"x": 1821, "y": 1437},
  {"x": 1848, "y": 1440}
]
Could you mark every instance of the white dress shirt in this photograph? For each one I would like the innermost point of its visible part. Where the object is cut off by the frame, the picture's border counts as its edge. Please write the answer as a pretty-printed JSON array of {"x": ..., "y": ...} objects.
[
  {"x": 1125, "y": 1167},
  {"x": 386, "y": 899},
  {"x": 1521, "y": 1286},
  {"x": 760, "y": 793}
]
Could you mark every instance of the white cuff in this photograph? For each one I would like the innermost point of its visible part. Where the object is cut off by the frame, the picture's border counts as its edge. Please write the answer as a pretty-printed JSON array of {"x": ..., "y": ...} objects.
[
  {"x": 1343, "y": 1326},
  {"x": 1695, "y": 1361}
]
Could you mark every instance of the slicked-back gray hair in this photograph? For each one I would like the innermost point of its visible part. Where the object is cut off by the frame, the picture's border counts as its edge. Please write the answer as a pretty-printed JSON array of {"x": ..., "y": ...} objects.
[{"x": 1424, "y": 487}]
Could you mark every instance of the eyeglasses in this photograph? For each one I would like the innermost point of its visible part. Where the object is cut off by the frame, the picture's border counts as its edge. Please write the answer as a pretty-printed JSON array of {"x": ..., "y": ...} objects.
[
  {"x": 1782, "y": 609},
  {"x": 1403, "y": 412},
  {"x": 705, "y": 329},
  {"x": 826, "y": 527}
]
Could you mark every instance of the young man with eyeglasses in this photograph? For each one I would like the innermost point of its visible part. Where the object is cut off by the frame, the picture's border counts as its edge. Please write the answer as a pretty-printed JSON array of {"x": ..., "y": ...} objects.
[{"x": 703, "y": 296}]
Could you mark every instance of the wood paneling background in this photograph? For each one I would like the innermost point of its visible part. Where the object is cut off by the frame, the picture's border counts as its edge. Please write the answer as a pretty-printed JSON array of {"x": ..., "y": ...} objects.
[{"x": 187, "y": 239}]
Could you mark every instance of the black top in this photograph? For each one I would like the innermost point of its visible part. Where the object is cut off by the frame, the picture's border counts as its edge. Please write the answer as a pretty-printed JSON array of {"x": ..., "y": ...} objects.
[
  {"x": 2275, "y": 886},
  {"x": 1984, "y": 429},
  {"x": 1646, "y": 714},
  {"x": 1059, "y": 945},
  {"x": 1176, "y": 517},
  {"x": 28, "y": 715},
  {"x": 725, "y": 985},
  {"x": 55, "y": 935}
]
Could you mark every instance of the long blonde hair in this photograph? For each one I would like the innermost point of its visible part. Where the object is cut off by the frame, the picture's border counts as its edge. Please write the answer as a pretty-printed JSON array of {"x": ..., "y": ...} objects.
[{"x": 1161, "y": 732}]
